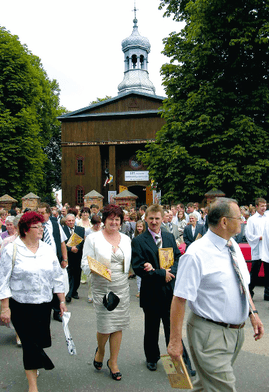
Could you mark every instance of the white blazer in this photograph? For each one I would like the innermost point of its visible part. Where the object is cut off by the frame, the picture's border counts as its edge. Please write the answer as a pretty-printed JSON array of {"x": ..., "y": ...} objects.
[{"x": 97, "y": 247}]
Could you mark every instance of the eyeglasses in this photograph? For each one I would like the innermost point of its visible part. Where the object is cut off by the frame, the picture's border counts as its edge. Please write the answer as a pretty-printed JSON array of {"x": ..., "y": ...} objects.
[
  {"x": 37, "y": 227},
  {"x": 232, "y": 217}
]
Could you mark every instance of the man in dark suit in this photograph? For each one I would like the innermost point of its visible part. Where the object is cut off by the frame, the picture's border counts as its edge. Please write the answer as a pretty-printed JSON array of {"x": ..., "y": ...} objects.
[
  {"x": 157, "y": 284},
  {"x": 167, "y": 224},
  {"x": 192, "y": 230},
  {"x": 74, "y": 256}
]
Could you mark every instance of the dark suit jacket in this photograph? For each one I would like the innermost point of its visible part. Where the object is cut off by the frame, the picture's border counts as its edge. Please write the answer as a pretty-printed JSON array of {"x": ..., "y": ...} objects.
[
  {"x": 175, "y": 230},
  {"x": 188, "y": 236},
  {"x": 74, "y": 259},
  {"x": 154, "y": 292}
]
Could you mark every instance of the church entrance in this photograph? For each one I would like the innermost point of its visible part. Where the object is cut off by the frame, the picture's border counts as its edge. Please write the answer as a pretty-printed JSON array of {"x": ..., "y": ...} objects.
[{"x": 139, "y": 191}]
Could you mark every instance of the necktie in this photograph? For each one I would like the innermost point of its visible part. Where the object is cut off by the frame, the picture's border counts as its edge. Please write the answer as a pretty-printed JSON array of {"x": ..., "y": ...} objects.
[
  {"x": 71, "y": 231},
  {"x": 170, "y": 226},
  {"x": 46, "y": 236},
  {"x": 158, "y": 239},
  {"x": 238, "y": 273}
]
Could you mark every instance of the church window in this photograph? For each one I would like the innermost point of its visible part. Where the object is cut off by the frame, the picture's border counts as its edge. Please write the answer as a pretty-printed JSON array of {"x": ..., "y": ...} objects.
[
  {"x": 142, "y": 61},
  {"x": 80, "y": 169},
  {"x": 80, "y": 195},
  {"x": 134, "y": 60}
]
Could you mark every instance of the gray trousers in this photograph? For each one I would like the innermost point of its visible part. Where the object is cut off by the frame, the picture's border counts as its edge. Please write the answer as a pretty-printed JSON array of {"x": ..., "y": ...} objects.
[{"x": 214, "y": 350}]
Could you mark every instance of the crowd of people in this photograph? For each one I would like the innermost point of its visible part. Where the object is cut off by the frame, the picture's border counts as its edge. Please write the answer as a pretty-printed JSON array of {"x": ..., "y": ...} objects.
[{"x": 41, "y": 267}]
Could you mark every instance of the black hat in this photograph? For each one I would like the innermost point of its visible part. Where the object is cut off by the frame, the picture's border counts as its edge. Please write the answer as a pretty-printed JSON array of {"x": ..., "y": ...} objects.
[{"x": 111, "y": 301}]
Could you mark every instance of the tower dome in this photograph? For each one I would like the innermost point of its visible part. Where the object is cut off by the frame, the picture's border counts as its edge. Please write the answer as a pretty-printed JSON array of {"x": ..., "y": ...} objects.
[
  {"x": 135, "y": 40},
  {"x": 136, "y": 49}
]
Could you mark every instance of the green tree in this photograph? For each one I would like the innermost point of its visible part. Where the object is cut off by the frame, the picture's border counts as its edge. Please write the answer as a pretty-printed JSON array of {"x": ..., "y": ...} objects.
[
  {"x": 29, "y": 129},
  {"x": 216, "y": 131},
  {"x": 100, "y": 99}
]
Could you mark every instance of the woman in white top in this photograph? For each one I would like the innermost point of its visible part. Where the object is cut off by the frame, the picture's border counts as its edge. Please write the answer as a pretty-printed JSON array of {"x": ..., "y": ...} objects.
[
  {"x": 113, "y": 249},
  {"x": 85, "y": 220},
  {"x": 29, "y": 273}
]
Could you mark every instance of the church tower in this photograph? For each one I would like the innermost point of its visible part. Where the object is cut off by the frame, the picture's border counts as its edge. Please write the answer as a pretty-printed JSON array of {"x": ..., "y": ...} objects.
[{"x": 136, "y": 49}]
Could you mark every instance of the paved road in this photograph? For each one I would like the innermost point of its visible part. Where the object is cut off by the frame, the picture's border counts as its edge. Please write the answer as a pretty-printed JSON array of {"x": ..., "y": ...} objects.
[{"x": 77, "y": 374}]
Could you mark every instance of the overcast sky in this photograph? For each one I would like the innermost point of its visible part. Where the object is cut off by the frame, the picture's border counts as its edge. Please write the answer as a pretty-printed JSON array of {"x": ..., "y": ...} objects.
[{"x": 79, "y": 42}]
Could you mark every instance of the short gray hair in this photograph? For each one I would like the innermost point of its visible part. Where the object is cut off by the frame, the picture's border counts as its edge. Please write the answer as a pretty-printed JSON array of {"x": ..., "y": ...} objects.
[
  {"x": 218, "y": 208},
  {"x": 17, "y": 219},
  {"x": 10, "y": 219},
  {"x": 193, "y": 215},
  {"x": 70, "y": 215}
]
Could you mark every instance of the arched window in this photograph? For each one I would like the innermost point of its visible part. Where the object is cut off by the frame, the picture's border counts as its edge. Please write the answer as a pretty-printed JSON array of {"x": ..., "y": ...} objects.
[
  {"x": 142, "y": 61},
  {"x": 80, "y": 167},
  {"x": 80, "y": 195},
  {"x": 134, "y": 60}
]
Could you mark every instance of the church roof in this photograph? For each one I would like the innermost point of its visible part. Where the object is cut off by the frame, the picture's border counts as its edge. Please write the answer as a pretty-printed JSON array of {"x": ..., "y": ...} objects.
[{"x": 86, "y": 111}]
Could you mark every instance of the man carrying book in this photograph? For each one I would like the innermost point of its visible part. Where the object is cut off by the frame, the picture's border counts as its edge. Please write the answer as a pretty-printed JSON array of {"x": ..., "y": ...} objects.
[
  {"x": 157, "y": 283},
  {"x": 74, "y": 244},
  {"x": 214, "y": 278}
]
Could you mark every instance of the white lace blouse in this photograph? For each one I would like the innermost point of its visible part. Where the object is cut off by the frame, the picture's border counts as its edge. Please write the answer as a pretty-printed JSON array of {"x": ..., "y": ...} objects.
[{"x": 35, "y": 276}]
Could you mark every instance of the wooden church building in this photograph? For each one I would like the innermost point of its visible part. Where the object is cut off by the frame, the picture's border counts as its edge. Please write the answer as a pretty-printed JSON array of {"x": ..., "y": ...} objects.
[{"x": 99, "y": 142}]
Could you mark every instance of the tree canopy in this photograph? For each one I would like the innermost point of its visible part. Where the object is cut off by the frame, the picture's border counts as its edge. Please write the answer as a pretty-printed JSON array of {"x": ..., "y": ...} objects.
[
  {"x": 29, "y": 130},
  {"x": 216, "y": 132}
]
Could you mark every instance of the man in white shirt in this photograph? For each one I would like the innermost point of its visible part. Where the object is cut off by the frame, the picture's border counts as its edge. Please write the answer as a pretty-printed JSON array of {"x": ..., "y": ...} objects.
[
  {"x": 56, "y": 238},
  {"x": 174, "y": 212},
  {"x": 254, "y": 235},
  {"x": 219, "y": 306}
]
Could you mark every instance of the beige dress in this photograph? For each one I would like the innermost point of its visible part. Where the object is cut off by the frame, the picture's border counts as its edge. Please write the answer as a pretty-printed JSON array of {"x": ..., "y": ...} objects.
[{"x": 119, "y": 318}]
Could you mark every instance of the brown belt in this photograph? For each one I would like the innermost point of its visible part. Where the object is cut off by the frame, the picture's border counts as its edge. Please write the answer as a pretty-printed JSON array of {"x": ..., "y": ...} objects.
[{"x": 233, "y": 326}]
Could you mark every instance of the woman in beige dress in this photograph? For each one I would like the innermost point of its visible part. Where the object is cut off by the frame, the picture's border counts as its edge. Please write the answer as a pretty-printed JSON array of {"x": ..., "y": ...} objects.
[{"x": 113, "y": 249}]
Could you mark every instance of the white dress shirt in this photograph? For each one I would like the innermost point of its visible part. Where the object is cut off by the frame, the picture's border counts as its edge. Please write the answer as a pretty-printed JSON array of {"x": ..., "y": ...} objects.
[
  {"x": 50, "y": 231},
  {"x": 265, "y": 243},
  {"x": 207, "y": 279},
  {"x": 253, "y": 232},
  {"x": 35, "y": 276}
]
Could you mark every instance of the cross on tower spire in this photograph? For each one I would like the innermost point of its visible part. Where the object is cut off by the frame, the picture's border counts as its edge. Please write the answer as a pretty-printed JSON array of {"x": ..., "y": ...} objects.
[{"x": 135, "y": 9}]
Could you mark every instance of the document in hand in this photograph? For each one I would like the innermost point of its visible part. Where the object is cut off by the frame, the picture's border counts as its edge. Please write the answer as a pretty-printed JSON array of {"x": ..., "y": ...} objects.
[
  {"x": 69, "y": 340},
  {"x": 74, "y": 240},
  {"x": 166, "y": 257},
  {"x": 98, "y": 268},
  {"x": 177, "y": 373}
]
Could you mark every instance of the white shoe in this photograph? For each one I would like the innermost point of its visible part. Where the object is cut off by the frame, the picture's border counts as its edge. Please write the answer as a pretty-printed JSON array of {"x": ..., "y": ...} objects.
[{"x": 90, "y": 300}]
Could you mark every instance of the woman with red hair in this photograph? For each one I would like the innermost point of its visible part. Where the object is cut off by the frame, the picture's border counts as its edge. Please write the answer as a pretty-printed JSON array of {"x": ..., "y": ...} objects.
[
  {"x": 113, "y": 249},
  {"x": 29, "y": 274}
]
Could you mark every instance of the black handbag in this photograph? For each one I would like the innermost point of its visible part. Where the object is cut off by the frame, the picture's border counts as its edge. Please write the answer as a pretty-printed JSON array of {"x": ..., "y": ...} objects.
[{"x": 111, "y": 301}]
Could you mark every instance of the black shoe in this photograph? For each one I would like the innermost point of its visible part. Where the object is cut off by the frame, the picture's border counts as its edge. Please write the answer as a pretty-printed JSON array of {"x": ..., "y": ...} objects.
[
  {"x": 75, "y": 296},
  {"x": 152, "y": 366},
  {"x": 97, "y": 365},
  {"x": 116, "y": 376},
  {"x": 68, "y": 299},
  {"x": 57, "y": 317}
]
